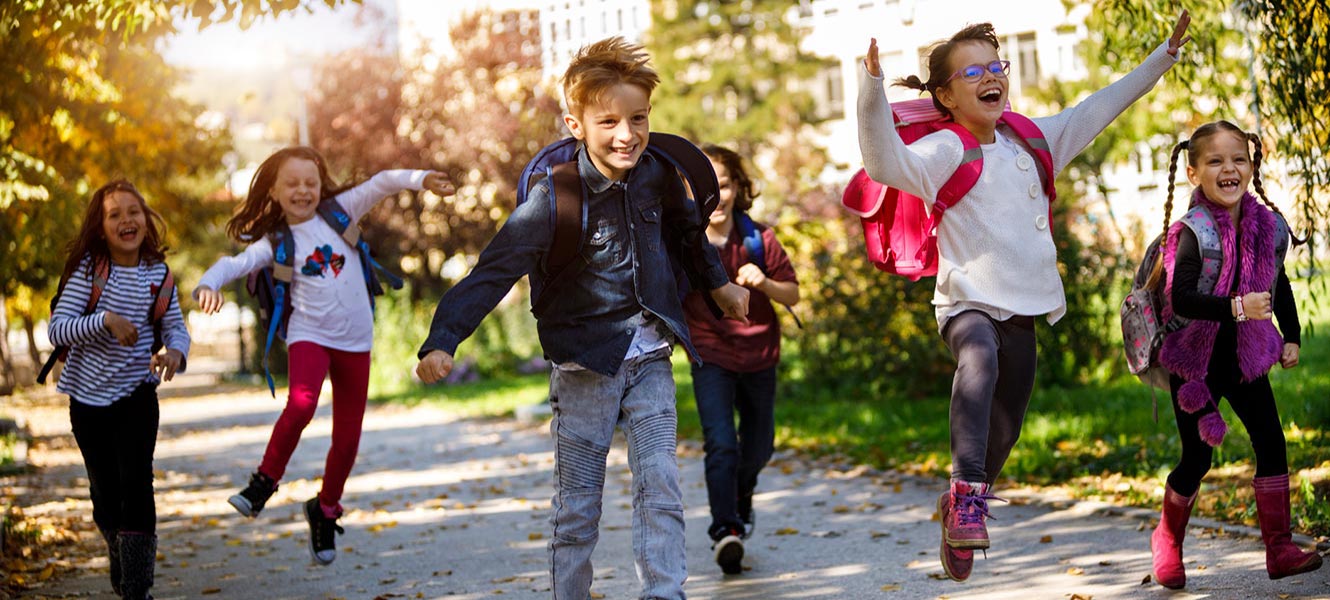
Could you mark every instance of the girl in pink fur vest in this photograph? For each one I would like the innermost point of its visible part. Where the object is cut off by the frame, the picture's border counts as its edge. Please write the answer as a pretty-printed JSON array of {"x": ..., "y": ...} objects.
[{"x": 1230, "y": 342}]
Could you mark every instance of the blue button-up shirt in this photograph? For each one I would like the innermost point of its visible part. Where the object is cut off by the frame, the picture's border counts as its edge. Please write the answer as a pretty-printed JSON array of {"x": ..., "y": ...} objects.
[{"x": 632, "y": 228}]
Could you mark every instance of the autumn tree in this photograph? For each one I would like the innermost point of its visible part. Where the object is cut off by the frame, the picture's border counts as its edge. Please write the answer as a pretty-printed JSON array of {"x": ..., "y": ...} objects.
[
  {"x": 480, "y": 115},
  {"x": 84, "y": 98},
  {"x": 734, "y": 73}
]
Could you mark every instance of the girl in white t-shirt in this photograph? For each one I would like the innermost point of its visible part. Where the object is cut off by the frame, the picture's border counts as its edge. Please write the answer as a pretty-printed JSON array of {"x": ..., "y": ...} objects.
[{"x": 330, "y": 327}]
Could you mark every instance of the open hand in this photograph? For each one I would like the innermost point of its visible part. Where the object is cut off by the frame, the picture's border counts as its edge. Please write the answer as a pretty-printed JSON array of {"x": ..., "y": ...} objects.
[
  {"x": 435, "y": 366},
  {"x": 439, "y": 183},
  {"x": 1179, "y": 36},
  {"x": 164, "y": 364},
  {"x": 871, "y": 60},
  {"x": 125, "y": 332},
  {"x": 210, "y": 300}
]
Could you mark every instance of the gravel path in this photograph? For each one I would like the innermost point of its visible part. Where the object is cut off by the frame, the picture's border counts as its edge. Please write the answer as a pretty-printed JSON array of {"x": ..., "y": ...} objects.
[{"x": 445, "y": 508}]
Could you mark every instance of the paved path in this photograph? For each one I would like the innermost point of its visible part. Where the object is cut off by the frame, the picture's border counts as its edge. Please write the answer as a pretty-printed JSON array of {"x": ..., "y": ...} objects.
[{"x": 440, "y": 507}]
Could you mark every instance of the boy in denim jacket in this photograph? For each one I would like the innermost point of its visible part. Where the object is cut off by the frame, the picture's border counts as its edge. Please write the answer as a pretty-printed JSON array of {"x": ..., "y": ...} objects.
[{"x": 610, "y": 328}]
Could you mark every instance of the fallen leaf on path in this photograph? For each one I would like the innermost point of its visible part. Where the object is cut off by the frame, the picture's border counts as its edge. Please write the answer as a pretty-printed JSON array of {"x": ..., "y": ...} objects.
[
  {"x": 1048, "y": 539},
  {"x": 210, "y": 591},
  {"x": 535, "y": 535},
  {"x": 891, "y": 587},
  {"x": 787, "y": 531},
  {"x": 1076, "y": 571}
]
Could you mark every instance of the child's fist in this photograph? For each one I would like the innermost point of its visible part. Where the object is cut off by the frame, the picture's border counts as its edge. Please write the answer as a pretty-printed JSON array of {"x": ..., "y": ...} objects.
[
  {"x": 439, "y": 183},
  {"x": 125, "y": 332},
  {"x": 435, "y": 366},
  {"x": 733, "y": 301}
]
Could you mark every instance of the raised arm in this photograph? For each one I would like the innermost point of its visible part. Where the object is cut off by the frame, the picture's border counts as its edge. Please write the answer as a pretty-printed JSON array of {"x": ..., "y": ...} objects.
[
  {"x": 1071, "y": 130},
  {"x": 227, "y": 269},
  {"x": 919, "y": 169}
]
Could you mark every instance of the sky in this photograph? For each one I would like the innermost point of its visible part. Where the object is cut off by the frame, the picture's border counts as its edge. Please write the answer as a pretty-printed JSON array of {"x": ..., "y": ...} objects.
[{"x": 270, "y": 41}]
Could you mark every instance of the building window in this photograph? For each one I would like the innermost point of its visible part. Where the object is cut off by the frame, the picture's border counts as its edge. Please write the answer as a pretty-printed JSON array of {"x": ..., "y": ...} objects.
[{"x": 1027, "y": 60}]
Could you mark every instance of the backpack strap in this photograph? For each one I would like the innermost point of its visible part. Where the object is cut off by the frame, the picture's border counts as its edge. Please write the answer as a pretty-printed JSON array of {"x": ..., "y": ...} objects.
[
  {"x": 101, "y": 274},
  {"x": 340, "y": 220},
  {"x": 283, "y": 269},
  {"x": 693, "y": 165},
  {"x": 568, "y": 218},
  {"x": 962, "y": 180},
  {"x": 752, "y": 239},
  {"x": 1034, "y": 140},
  {"x": 161, "y": 303},
  {"x": 1202, "y": 224}
]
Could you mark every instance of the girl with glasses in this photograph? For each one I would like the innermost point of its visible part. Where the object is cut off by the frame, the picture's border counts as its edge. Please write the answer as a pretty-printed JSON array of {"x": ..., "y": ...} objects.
[{"x": 997, "y": 264}]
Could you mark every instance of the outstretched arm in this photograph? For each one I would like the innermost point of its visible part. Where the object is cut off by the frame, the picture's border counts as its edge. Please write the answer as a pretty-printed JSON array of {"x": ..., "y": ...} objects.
[
  {"x": 1070, "y": 131},
  {"x": 358, "y": 200}
]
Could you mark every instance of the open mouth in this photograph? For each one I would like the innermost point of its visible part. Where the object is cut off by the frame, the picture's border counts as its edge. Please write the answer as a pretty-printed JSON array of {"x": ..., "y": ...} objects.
[
  {"x": 626, "y": 150},
  {"x": 991, "y": 97},
  {"x": 128, "y": 233},
  {"x": 1228, "y": 185}
]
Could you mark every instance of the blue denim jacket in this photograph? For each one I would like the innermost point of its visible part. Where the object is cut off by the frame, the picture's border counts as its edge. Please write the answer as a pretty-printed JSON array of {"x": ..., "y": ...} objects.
[{"x": 628, "y": 268}]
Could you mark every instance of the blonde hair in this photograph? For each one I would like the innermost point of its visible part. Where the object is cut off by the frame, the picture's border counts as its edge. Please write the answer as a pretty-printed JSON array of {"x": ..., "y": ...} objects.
[{"x": 600, "y": 66}]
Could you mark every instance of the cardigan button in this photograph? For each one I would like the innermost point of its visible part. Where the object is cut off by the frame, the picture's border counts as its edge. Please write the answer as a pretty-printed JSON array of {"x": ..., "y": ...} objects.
[
  {"x": 1041, "y": 222},
  {"x": 1034, "y": 190},
  {"x": 1024, "y": 162}
]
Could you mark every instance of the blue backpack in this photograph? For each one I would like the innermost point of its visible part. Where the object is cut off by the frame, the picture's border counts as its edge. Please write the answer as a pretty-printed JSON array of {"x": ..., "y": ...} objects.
[
  {"x": 271, "y": 285},
  {"x": 568, "y": 208}
]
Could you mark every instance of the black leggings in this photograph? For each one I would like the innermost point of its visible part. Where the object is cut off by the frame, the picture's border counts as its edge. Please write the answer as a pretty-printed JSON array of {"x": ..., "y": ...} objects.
[
  {"x": 1254, "y": 403},
  {"x": 117, "y": 443},
  {"x": 995, "y": 367}
]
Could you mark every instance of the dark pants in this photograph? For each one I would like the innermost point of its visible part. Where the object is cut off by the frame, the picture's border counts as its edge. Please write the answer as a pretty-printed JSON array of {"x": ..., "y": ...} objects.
[
  {"x": 734, "y": 457},
  {"x": 1254, "y": 403},
  {"x": 117, "y": 443},
  {"x": 995, "y": 364}
]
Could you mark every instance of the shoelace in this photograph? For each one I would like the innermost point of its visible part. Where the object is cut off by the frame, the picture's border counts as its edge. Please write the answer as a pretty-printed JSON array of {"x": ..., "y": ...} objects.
[
  {"x": 972, "y": 509},
  {"x": 324, "y": 532}
]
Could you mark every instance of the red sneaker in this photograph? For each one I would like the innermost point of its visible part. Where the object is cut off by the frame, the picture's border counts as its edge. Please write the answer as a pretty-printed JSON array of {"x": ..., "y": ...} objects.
[
  {"x": 957, "y": 562},
  {"x": 963, "y": 527}
]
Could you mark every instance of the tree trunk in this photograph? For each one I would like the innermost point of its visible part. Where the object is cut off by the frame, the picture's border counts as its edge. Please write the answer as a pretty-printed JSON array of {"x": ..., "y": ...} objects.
[
  {"x": 35, "y": 356},
  {"x": 7, "y": 382}
]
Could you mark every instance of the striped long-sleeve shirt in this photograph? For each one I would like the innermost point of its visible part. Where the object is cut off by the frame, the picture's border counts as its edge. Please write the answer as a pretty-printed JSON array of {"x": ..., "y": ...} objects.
[{"x": 98, "y": 370}]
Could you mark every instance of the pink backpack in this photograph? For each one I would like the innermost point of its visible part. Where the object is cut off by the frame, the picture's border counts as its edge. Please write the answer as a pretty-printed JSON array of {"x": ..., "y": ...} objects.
[{"x": 899, "y": 234}]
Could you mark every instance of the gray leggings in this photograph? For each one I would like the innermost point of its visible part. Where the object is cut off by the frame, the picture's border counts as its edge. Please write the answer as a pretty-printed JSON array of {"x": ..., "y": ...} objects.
[{"x": 995, "y": 364}]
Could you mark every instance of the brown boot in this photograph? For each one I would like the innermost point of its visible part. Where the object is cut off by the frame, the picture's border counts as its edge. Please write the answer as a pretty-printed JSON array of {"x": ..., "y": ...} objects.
[
  {"x": 1166, "y": 541},
  {"x": 1282, "y": 556}
]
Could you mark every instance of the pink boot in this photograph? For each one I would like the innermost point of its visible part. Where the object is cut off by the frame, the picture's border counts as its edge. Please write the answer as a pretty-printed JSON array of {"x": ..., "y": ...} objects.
[
  {"x": 1166, "y": 541},
  {"x": 1282, "y": 556}
]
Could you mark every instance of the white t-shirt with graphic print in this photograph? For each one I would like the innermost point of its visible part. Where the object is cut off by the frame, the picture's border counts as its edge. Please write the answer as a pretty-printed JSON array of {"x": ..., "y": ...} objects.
[{"x": 330, "y": 305}]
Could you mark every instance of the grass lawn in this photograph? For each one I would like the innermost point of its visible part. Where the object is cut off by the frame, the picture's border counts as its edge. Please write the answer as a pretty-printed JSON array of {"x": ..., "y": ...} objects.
[{"x": 1095, "y": 441}]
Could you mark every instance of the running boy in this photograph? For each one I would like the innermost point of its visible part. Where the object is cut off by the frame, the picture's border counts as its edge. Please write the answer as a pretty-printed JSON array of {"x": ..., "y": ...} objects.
[{"x": 610, "y": 328}]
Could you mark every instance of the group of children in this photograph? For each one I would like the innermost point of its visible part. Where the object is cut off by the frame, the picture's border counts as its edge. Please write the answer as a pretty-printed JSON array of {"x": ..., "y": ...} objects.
[{"x": 610, "y": 329}]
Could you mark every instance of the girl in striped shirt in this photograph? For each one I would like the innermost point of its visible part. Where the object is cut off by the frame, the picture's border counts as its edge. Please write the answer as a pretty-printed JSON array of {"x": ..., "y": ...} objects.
[{"x": 113, "y": 368}]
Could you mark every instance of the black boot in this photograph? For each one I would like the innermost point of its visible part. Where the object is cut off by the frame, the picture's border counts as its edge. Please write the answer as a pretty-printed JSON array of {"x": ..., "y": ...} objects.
[
  {"x": 113, "y": 552},
  {"x": 251, "y": 499},
  {"x": 138, "y": 561}
]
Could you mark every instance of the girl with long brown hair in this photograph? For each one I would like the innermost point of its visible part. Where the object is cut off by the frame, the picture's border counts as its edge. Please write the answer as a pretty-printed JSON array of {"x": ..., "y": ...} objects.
[
  {"x": 115, "y": 307},
  {"x": 330, "y": 328}
]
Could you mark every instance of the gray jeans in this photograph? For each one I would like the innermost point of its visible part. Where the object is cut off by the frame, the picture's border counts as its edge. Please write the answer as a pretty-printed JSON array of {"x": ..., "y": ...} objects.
[
  {"x": 587, "y": 407},
  {"x": 995, "y": 365}
]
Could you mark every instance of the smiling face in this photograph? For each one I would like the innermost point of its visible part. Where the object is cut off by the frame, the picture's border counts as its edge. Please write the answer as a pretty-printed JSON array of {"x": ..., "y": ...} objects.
[
  {"x": 615, "y": 128},
  {"x": 124, "y": 225},
  {"x": 297, "y": 189},
  {"x": 976, "y": 105},
  {"x": 1222, "y": 168},
  {"x": 729, "y": 191}
]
